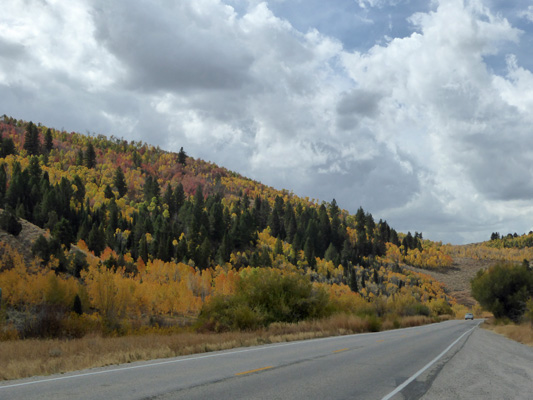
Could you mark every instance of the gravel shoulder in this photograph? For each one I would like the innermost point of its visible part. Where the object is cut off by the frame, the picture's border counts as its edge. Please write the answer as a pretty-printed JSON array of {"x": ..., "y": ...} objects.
[{"x": 489, "y": 366}]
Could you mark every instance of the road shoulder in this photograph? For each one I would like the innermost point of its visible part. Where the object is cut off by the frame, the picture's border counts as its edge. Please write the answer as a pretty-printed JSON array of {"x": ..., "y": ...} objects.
[{"x": 489, "y": 366}]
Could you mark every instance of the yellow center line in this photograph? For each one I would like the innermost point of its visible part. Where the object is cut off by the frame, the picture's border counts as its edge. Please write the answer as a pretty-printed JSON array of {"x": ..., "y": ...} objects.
[
  {"x": 379, "y": 341},
  {"x": 341, "y": 350},
  {"x": 252, "y": 371}
]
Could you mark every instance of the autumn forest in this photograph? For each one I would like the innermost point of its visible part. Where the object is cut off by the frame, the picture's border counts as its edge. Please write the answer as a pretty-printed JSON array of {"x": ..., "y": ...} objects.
[{"x": 126, "y": 236}]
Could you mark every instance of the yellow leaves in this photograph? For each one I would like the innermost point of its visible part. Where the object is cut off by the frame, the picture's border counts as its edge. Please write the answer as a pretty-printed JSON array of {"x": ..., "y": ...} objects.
[
  {"x": 20, "y": 286},
  {"x": 485, "y": 251},
  {"x": 431, "y": 256}
]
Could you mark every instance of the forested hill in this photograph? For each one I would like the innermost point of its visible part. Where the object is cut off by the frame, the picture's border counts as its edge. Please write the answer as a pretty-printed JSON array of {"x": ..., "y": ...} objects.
[
  {"x": 130, "y": 205},
  {"x": 135, "y": 198}
]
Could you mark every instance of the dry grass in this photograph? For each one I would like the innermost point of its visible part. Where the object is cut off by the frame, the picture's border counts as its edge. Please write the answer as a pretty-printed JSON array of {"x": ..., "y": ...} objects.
[
  {"x": 24, "y": 358},
  {"x": 522, "y": 333}
]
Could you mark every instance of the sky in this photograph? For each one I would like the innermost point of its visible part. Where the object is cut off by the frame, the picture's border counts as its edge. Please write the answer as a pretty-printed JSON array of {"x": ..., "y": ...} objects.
[{"x": 419, "y": 111}]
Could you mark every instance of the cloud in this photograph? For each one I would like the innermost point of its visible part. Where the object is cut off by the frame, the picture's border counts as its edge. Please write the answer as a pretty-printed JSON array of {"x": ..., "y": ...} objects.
[
  {"x": 377, "y": 3},
  {"x": 442, "y": 105},
  {"x": 528, "y": 14},
  {"x": 418, "y": 130},
  {"x": 159, "y": 44}
]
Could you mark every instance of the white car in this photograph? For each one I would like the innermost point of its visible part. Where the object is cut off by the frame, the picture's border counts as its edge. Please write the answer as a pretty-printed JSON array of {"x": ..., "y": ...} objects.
[{"x": 469, "y": 316}]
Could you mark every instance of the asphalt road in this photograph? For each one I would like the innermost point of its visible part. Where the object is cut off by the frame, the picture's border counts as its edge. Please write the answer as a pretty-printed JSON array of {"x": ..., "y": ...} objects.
[{"x": 394, "y": 364}]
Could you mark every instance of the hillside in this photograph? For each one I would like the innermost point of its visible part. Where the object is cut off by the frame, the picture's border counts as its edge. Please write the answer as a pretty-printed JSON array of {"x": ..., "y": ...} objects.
[
  {"x": 469, "y": 259},
  {"x": 127, "y": 234},
  {"x": 456, "y": 279}
]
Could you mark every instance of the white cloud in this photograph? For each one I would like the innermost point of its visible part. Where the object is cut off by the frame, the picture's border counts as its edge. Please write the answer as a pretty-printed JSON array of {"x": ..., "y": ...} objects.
[
  {"x": 528, "y": 14},
  {"x": 442, "y": 105},
  {"x": 418, "y": 130},
  {"x": 378, "y": 3}
]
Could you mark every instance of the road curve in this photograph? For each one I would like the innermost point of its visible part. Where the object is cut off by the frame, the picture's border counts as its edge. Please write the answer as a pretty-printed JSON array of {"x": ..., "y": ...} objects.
[{"x": 392, "y": 364}]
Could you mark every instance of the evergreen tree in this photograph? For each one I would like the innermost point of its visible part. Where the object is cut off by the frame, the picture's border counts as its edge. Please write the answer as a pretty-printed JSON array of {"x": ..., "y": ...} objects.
[
  {"x": 204, "y": 253},
  {"x": 182, "y": 157},
  {"x": 347, "y": 253},
  {"x": 62, "y": 231},
  {"x": 79, "y": 194},
  {"x": 291, "y": 226},
  {"x": 324, "y": 231},
  {"x": 309, "y": 252},
  {"x": 76, "y": 307},
  {"x": 143, "y": 249},
  {"x": 9, "y": 222},
  {"x": 151, "y": 188},
  {"x": 353, "y": 281},
  {"x": 41, "y": 249},
  {"x": 31, "y": 139},
  {"x": 224, "y": 251},
  {"x": 7, "y": 147},
  {"x": 167, "y": 199},
  {"x": 179, "y": 197},
  {"x": 137, "y": 160},
  {"x": 217, "y": 227},
  {"x": 278, "y": 248},
  {"x": 275, "y": 222},
  {"x": 17, "y": 187},
  {"x": 337, "y": 231},
  {"x": 332, "y": 254},
  {"x": 120, "y": 182},
  {"x": 48, "y": 142},
  {"x": 96, "y": 240},
  {"x": 89, "y": 157},
  {"x": 3, "y": 184}
]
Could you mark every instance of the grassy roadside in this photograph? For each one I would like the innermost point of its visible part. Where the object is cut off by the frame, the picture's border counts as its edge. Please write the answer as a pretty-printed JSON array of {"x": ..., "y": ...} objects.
[
  {"x": 25, "y": 358},
  {"x": 522, "y": 333}
]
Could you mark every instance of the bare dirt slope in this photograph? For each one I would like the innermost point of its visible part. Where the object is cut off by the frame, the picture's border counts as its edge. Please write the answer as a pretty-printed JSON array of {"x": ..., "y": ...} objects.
[
  {"x": 457, "y": 278},
  {"x": 24, "y": 241}
]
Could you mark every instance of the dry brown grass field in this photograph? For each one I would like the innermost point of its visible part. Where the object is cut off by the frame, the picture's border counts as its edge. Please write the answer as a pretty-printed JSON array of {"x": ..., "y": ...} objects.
[
  {"x": 522, "y": 333},
  {"x": 25, "y": 358}
]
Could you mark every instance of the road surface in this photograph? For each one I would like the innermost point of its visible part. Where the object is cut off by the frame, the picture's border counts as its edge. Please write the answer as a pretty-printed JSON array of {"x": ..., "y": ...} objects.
[{"x": 393, "y": 364}]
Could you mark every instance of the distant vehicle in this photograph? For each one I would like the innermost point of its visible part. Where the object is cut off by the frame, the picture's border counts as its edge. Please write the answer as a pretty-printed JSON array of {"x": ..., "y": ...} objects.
[{"x": 469, "y": 316}]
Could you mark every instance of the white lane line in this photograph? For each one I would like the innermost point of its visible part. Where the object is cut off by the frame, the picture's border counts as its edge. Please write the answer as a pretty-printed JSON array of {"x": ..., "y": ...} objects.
[
  {"x": 411, "y": 379},
  {"x": 60, "y": 378},
  {"x": 198, "y": 357}
]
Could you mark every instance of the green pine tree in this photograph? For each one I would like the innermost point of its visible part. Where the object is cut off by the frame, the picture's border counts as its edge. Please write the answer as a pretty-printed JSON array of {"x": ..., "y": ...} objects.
[
  {"x": 119, "y": 181},
  {"x": 89, "y": 157},
  {"x": 48, "y": 142}
]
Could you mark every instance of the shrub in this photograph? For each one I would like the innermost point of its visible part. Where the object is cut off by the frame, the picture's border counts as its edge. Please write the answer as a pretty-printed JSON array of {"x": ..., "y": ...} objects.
[
  {"x": 264, "y": 296},
  {"x": 440, "y": 307},
  {"x": 504, "y": 289}
]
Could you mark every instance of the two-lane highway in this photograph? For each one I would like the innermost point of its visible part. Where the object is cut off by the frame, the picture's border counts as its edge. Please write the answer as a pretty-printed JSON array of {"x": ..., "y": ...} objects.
[{"x": 365, "y": 366}]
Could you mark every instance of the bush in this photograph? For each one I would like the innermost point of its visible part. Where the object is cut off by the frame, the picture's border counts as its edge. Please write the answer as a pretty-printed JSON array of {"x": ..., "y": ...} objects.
[
  {"x": 504, "y": 289},
  {"x": 10, "y": 223},
  {"x": 264, "y": 296}
]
